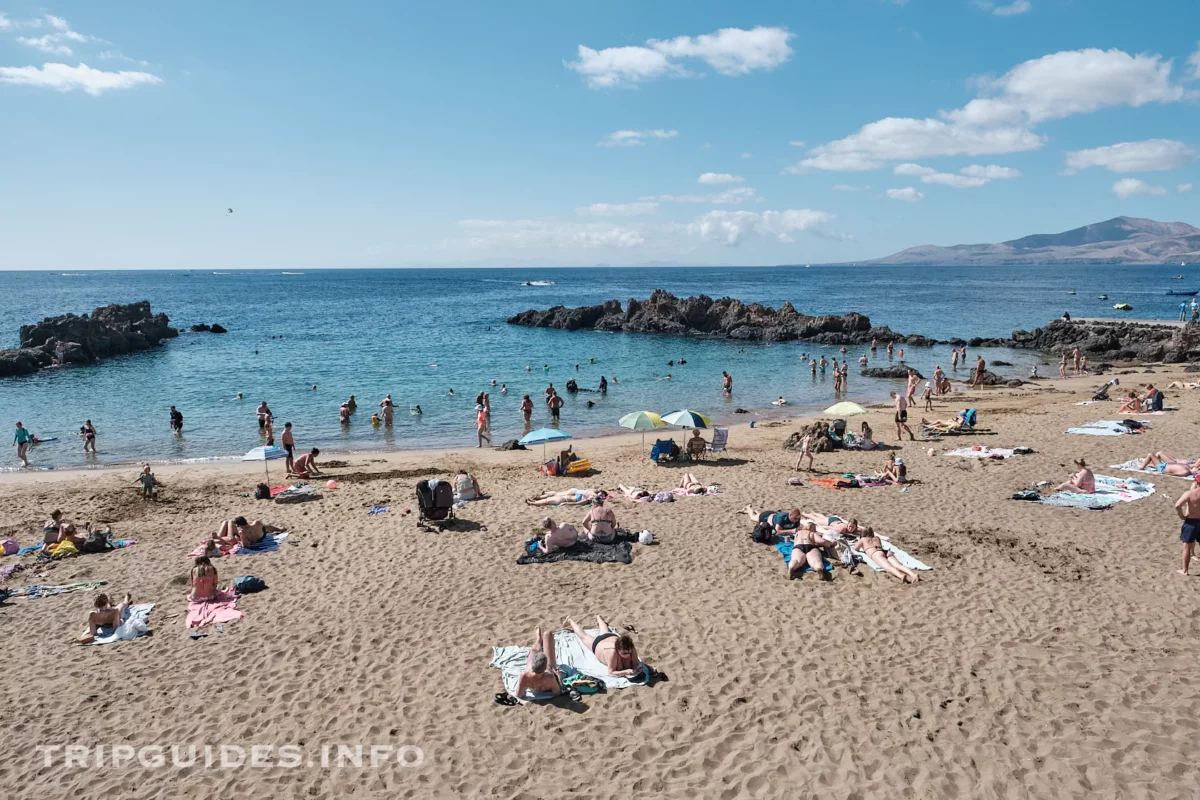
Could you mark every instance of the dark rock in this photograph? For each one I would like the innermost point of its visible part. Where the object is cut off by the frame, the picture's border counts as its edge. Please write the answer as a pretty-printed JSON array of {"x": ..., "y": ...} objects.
[
  {"x": 108, "y": 331},
  {"x": 991, "y": 379},
  {"x": 664, "y": 313},
  {"x": 218, "y": 328},
  {"x": 894, "y": 371},
  {"x": 201, "y": 328},
  {"x": 1114, "y": 341},
  {"x": 1192, "y": 368},
  {"x": 998, "y": 363},
  {"x": 1014, "y": 383}
]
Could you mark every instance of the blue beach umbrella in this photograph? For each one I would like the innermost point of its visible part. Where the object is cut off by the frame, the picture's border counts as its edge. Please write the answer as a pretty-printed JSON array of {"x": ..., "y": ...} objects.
[
  {"x": 687, "y": 418},
  {"x": 265, "y": 454},
  {"x": 542, "y": 436}
]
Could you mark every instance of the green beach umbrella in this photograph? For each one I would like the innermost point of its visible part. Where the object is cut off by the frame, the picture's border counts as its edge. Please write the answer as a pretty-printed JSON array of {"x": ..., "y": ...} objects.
[
  {"x": 642, "y": 421},
  {"x": 845, "y": 409}
]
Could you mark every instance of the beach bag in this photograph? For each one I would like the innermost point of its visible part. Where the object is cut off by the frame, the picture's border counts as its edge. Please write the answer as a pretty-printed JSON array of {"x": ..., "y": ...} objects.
[
  {"x": 248, "y": 584},
  {"x": 96, "y": 542},
  {"x": 10, "y": 546},
  {"x": 1132, "y": 424},
  {"x": 262, "y": 492},
  {"x": 763, "y": 533}
]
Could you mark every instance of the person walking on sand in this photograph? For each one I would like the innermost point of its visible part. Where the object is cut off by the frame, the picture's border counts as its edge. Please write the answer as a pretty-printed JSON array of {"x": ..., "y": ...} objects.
[
  {"x": 1188, "y": 509},
  {"x": 806, "y": 450},
  {"x": 22, "y": 439},
  {"x": 902, "y": 417},
  {"x": 980, "y": 368},
  {"x": 911, "y": 389},
  {"x": 1062, "y": 365},
  {"x": 927, "y": 396}
]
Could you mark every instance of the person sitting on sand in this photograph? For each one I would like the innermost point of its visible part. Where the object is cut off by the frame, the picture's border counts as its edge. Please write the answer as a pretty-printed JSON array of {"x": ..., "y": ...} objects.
[
  {"x": 808, "y": 549},
  {"x": 204, "y": 581},
  {"x": 104, "y": 616},
  {"x": 1167, "y": 465},
  {"x": 617, "y": 652},
  {"x": 1131, "y": 403},
  {"x": 871, "y": 546},
  {"x": 149, "y": 483},
  {"x": 1153, "y": 401},
  {"x": 600, "y": 522},
  {"x": 894, "y": 470},
  {"x": 541, "y": 669},
  {"x": 779, "y": 520},
  {"x": 866, "y": 439},
  {"x": 1082, "y": 481},
  {"x": 635, "y": 493},
  {"x": 52, "y": 528},
  {"x": 558, "y": 537},
  {"x": 240, "y": 532},
  {"x": 306, "y": 465},
  {"x": 466, "y": 487},
  {"x": 567, "y": 497}
]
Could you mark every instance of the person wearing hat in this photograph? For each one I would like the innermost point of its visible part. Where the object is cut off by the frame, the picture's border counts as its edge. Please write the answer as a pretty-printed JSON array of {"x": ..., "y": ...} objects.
[
  {"x": 1188, "y": 509},
  {"x": 927, "y": 396},
  {"x": 600, "y": 522}
]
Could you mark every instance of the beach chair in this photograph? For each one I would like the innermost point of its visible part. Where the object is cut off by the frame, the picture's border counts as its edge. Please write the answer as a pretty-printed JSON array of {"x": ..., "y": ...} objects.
[
  {"x": 696, "y": 448},
  {"x": 719, "y": 440},
  {"x": 435, "y": 500},
  {"x": 663, "y": 450}
]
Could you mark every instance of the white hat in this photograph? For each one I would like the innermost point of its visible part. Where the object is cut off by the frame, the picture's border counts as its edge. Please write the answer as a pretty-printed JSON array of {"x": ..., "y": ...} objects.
[{"x": 645, "y": 537}]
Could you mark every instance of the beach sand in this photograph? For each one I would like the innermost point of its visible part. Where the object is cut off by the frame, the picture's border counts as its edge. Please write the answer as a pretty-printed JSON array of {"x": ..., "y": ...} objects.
[{"x": 1051, "y": 652}]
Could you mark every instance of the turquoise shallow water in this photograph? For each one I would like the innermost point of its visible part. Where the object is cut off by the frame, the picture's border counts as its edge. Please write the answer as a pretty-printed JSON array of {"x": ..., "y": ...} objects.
[{"x": 374, "y": 332}]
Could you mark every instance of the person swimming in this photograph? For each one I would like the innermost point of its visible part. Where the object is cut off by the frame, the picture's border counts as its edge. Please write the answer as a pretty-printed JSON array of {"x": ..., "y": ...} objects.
[{"x": 415, "y": 411}]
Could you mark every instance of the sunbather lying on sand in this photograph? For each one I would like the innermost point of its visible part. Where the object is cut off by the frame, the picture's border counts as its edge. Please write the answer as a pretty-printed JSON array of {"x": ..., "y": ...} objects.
[
  {"x": 832, "y": 524},
  {"x": 779, "y": 520},
  {"x": 615, "y": 652},
  {"x": 808, "y": 549},
  {"x": 567, "y": 497},
  {"x": 1183, "y": 385},
  {"x": 238, "y": 531},
  {"x": 558, "y": 537},
  {"x": 958, "y": 421},
  {"x": 1161, "y": 462},
  {"x": 1083, "y": 481},
  {"x": 541, "y": 669},
  {"x": 104, "y": 616},
  {"x": 871, "y": 546},
  {"x": 691, "y": 485},
  {"x": 204, "y": 581},
  {"x": 635, "y": 493}
]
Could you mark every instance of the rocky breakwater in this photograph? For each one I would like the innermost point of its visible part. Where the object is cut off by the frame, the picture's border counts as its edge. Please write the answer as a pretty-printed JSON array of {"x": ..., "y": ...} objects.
[
  {"x": 108, "y": 331},
  {"x": 1141, "y": 342},
  {"x": 664, "y": 313}
]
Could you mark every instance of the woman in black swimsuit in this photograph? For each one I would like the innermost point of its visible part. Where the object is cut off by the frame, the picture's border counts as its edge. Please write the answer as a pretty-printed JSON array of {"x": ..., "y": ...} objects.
[
  {"x": 617, "y": 652},
  {"x": 808, "y": 549}
]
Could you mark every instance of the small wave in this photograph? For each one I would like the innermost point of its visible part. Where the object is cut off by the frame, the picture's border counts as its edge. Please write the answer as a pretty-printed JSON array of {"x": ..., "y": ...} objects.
[
  {"x": 293, "y": 273},
  {"x": 222, "y": 273},
  {"x": 73, "y": 274},
  {"x": 539, "y": 283}
]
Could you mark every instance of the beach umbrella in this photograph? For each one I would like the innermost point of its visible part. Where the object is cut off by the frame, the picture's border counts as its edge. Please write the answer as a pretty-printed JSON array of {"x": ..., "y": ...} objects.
[
  {"x": 542, "y": 436},
  {"x": 686, "y": 418},
  {"x": 845, "y": 409},
  {"x": 265, "y": 454},
  {"x": 642, "y": 421}
]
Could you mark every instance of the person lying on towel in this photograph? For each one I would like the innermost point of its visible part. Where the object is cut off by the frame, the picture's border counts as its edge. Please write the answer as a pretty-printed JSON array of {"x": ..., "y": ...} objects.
[
  {"x": 615, "y": 652},
  {"x": 558, "y": 537},
  {"x": 240, "y": 532}
]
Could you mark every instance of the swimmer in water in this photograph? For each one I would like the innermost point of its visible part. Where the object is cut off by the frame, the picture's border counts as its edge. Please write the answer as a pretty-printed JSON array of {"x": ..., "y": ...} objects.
[
  {"x": 779, "y": 401},
  {"x": 237, "y": 396},
  {"x": 528, "y": 368},
  {"x": 503, "y": 389},
  {"x": 314, "y": 387},
  {"x": 493, "y": 381},
  {"x": 591, "y": 360},
  {"x": 375, "y": 420},
  {"x": 452, "y": 392},
  {"x": 416, "y": 411},
  {"x": 668, "y": 376}
]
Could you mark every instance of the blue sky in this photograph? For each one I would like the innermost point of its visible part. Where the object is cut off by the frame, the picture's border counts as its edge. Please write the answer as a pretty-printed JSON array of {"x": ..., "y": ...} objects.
[{"x": 479, "y": 133}]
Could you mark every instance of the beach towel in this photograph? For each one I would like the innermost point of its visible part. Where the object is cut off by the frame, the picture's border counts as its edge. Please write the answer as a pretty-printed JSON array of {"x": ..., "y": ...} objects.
[
  {"x": 570, "y": 655},
  {"x": 1132, "y": 466},
  {"x": 268, "y": 544},
  {"x": 1106, "y": 427},
  {"x": 135, "y": 623},
  {"x": 1109, "y": 492},
  {"x": 785, "y": 550},
  {"x": 998, "y": 453},
  {"x": 35, "y": 590},
  {"x": 373, "y": 510},
  {"x": 620, "y": 551},
  {"x": 828, "y": 482},
  {"x": 709, "y": 491},
  {"x": 220, "y": 610},
  {"x": 901, "y": 556}
]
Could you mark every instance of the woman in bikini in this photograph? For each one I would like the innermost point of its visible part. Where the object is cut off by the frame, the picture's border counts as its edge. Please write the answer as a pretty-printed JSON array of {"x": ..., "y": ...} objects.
[
  {"x": 204, "y": 581},
  {"x": 567, "y": 497},
  {"x": 806, "y": 448},
  {"x": 808, "y": 550},
  {"x": 890, "y": 472},
  {"x": 1083, "y": 481},
  {"x": 105, "y": 616},
  {"x": 541, "y": 670},
  {"x": 1161, "y": 462},
  {"x": 871, "y": 546},
  {"x": 1132, "y": 404},
  {"x": 635, "y": 493},
  {"x": 691, "y": 485},
  {"x": 52, "y": 529},
  {"x": 616, "y": 652}
]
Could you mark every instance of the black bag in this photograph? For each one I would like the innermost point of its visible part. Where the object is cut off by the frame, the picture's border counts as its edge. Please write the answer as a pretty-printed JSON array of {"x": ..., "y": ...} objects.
[
  {"x": 262, "y": 492},
  {"x": 96, "y": 542},
  {"x": 1132, "y": 424},
  {"x": 763, "y": 533}
]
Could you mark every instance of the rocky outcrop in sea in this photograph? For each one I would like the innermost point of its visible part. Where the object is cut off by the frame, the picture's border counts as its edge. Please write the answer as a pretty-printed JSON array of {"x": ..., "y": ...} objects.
[
  {"x": 108, "y": 331},
  {"x": 1140, "y": 342}
]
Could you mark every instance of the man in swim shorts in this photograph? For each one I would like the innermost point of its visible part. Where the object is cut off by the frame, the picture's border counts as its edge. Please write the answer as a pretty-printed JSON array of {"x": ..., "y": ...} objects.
[
  {"x": 902, "y": 416},
  {"x": 176, "y": 420},
  {"x": 1188, "y": 509},
  {"x": 289, "y": 444}
]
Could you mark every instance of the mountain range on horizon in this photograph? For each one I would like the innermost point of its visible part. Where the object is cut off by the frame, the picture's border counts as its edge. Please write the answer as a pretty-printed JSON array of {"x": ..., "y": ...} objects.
[{"x": 1121, "y": 240}]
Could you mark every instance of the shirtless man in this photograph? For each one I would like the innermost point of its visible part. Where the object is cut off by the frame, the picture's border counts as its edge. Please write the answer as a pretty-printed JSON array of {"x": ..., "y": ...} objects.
[
  {"x": 353, "y": 404},
  {"x": 954, "y": 359},
  {"x": 902, "y": 417},
  {"x": 263, "y": 413},
  {"x": 104, "y": 616},
  {"x": 240, "y": 532},
  {"x": 541, "y": 669},
  {"x": 1188, "y": 509},
  {"x": 556, "y": 403},
  {"x": 289, "y": 444},
  {"x": 558, "y": 536},
  {"x": 615, "y": 652},
  {"x": 980, "y": 368},
  {"x": 727, "y": 384},
  {"x": 911, "y": 392},
  {"x": 1076, "y": 357},
  {"x": 306, "y": 465}
]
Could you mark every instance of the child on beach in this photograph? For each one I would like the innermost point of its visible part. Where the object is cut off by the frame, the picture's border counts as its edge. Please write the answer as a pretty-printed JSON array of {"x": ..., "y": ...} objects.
[{"x": 149, "y": 483}]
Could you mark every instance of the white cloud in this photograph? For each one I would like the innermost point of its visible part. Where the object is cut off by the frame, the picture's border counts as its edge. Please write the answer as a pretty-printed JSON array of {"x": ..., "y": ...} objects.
[
  {"x": 53, "y": 43},
  {"x": 908, "y": 194},
  {"x": 1153, "y": 155},
  {"x": 729, "y": 197},
  {"x": 746, "y": 155},
  {"x": 734, "y": 227},
  {"x": 6, "y": 24},
  {"x": 633, "y": 138},
  {"x": 845, "y": 187},
  {"x": 639, "y": 208},
  {"x": 730, "y": 51},
  {"x": 1015, "y": 7},
  {"x": 117, "y": 55},
  {"x": 64, "y": 78},
  {"x": 1127, "y": 187},
  {"x": 796, "y": 143},
  {"x": 1194, "y": 62},
  {"x": 47, "y": 44},
  {"x": 1184, "y": 188},
  {"x": 1002, "y": 118},
  {"x": 719, "y": 177},
  {"x": 991, "y": 172},
  {"x": 913, "y": 169},
  {"x": 523, "y": 233}
]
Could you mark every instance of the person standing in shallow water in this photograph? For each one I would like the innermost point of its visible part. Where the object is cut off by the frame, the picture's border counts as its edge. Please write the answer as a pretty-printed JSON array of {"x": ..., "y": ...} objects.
[
  {"x": 727, "y": 384},
  {"x": 22, "y": 440}
]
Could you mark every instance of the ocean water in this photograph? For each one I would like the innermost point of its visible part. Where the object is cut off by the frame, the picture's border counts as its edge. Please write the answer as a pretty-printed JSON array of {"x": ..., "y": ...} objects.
[{"x": 418, "y": 333}]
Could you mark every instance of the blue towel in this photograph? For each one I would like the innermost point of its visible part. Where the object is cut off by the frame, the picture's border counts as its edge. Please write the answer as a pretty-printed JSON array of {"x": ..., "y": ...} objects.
[
  {"x": 268, "y": 544},
  {"x": 33, "y": 548},
  {"x": 785, "y": 550}
]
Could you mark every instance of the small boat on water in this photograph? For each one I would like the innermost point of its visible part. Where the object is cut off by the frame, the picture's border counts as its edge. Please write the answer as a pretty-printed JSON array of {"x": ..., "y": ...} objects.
[
  {"x": 1183, "y": 294},
  {"x": 1123, "y": 307},
  {"x": 1071, "y": 292},
  {"x": 1102, "y": 297},
  {"x": 539, "y": 283},
  {"x": 1176, "y": 277}
]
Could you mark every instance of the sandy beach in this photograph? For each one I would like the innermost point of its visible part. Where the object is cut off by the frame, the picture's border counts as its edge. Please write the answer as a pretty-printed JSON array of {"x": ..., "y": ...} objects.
[{"x": 1050, "y": 652}]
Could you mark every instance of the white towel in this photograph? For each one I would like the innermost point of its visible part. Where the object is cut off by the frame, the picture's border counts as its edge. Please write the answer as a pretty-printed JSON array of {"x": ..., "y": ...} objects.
[
  {"x": 569, "y": 654},
  {"x": 135, "y": 624}
]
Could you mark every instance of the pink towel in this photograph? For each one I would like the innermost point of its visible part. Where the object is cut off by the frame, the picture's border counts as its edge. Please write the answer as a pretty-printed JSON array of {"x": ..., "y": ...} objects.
[
  {"x": 221, "y": 609},
  {"x": 226, "y": 550}
]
